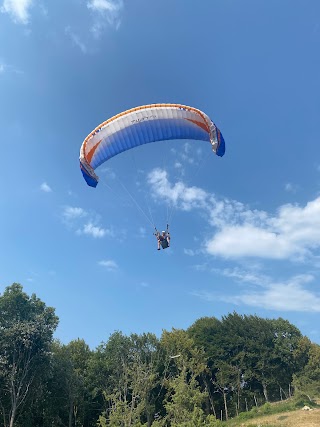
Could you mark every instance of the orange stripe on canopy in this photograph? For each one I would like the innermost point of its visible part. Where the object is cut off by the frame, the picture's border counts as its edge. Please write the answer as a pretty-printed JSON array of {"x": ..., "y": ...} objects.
[
  {"x": 92, "y": 151},
  {"x": 145, "y": 107},
  {"x": 200, "y": 124}
]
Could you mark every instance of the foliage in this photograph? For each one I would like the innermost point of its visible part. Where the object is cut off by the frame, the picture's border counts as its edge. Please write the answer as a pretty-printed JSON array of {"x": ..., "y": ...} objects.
[
  {"x": 27, "y": 327},
  {"x": 231, "y": 368},
  {"x": 308, "y": 379}
]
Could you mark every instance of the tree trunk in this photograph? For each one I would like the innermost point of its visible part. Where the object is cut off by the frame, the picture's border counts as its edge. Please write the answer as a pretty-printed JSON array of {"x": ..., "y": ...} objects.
[
  {"x": 149, "y": 419},
  {"x": 265, "y": 391},
  {"x": 210, "y": 398},
  {"x": 70, "y": 413},
  {"x": 13, "y": 415},
  {"x": 4, "y": 416},
  {"x": 225, "y": 405}
]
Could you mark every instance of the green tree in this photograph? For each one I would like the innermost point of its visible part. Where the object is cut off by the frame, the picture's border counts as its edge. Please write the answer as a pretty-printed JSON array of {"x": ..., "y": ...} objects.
[
  {"x": 130, "y": 388},
  {"x": 184, "y": 401},
  {"x": 71, "y": 400},
  {"x": 186, "y": 363},
  {"x": 27, "y": 327},
  {"x": 262, "y": 355},
  {"x": 308, "y": 379}
]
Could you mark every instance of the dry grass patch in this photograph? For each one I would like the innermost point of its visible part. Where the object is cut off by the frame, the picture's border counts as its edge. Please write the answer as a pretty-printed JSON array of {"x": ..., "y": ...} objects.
[{"x": 298, "y": 418}]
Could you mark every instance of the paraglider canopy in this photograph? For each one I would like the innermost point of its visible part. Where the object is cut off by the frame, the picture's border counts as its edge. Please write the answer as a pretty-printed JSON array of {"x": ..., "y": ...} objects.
[{"x": 142, "y": 125}]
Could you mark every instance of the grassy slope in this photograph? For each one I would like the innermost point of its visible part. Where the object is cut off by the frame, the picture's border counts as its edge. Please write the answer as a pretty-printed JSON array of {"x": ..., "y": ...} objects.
[
  {"x": 297, "y": 418},
  {"x": 281, "y": 415}
]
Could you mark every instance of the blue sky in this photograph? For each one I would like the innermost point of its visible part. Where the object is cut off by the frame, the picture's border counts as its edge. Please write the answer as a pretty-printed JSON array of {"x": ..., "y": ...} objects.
[{"x": 245, "y": 228}]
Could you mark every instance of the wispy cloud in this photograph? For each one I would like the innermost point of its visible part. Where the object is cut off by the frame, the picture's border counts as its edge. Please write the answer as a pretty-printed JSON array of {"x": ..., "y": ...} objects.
[
  {"x": 76, "y": 39},
  {"x": 94, "y": 230},
  {"x": 252, "y": 275},
  {"x": 291, "y": 188},
  {"x": 70, "y": 212},
  {"x": 109, "y": 172},
  {"x": 142, "y": 232},
  {"x": 7, "y": 68},
  {"x": 189, "y": 252},
  {"x": 291, "y": 295},
  {"x": 108, "y": 12},
  {"x": 201, "y": 267},
  {"x": 18, "y": 10},
  {"x": 32, "y": 276},
  {"x": 187, "y": 154},
  {"x": 144, "y": 285},
  {"x": 109, "y": 264},
  {"x": 45, "y": 188},
  {"x": 85, "y": 223}
]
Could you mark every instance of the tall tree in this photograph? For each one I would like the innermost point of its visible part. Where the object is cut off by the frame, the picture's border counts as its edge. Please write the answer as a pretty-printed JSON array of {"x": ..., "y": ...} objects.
[
  {"x": 308, "y": 379},
  {"x": 70, "y": 402},
  {"x": 185, "y": 365},
  {"x": 129, "y": 367},
  {"x": 27, "y": 326}
]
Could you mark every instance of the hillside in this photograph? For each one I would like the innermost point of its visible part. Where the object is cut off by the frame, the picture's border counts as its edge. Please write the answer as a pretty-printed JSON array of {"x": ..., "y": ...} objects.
[
  {"x": 297, "y": 418},
  {"x": 283, "y": 418}
]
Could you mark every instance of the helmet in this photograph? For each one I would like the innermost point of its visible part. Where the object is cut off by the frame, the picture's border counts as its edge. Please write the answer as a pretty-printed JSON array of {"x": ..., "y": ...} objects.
[{"x": 163, "y": 232}]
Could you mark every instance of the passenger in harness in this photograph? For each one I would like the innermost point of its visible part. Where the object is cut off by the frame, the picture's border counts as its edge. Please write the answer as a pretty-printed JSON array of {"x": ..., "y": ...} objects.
[{"x": 163, "y": 238}]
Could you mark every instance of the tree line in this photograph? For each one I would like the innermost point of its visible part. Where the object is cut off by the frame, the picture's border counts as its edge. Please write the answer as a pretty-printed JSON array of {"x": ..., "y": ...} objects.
[{"x": 212, "y": 371}]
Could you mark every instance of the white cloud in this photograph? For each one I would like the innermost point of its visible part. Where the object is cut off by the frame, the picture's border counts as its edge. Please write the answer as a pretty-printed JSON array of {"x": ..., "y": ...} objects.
[
  {"x": 94, "y": 230},
  {"x": 108, "y": 11},
  {"x": 178, "y": 194},
  {"x": 45, "y": 187},
  {"x": 293, "y": 232},
  {"x": 279, "y": 296},
  {"x": 85, "y": 223},
  {"x": 246, "y": 240},
  {"x": 70, "y": 213},
  {"x": 17, "y": 9},
  {"x": 290, "y": 296},
  {"x": 109, "y": 264},
  {"x": 247, "y": 276},
  {"x": 105, "y": 5},
  {"x": 6, "y": 68}
]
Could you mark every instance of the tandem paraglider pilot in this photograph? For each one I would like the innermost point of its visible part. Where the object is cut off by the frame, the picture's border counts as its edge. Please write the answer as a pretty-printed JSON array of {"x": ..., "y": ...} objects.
[{"x": 163, "y": 238}]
